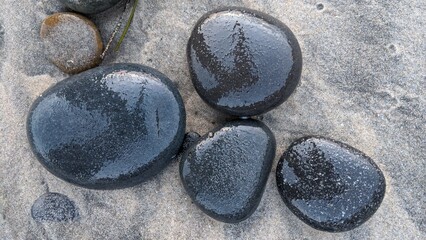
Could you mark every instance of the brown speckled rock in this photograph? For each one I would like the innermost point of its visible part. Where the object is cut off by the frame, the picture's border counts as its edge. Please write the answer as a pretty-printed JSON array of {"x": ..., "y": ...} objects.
[{"x": 71, "y": 41}]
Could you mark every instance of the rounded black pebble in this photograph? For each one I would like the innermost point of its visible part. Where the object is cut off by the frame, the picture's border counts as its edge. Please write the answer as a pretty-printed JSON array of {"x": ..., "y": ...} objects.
[
  {"x": 90, "y": 6},
  {"x": 225, "y": 171},
  {"x": 243, "y": 62},
  {"x": 328, "y": 184},
  {"x": 110, "y": 127},
  {"x": 189, "y": 139},
  {"x": 54, "y": 207}
]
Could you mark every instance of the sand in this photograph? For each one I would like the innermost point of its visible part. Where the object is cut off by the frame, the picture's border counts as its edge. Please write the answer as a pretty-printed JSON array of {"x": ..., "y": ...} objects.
[{"x": 363, "y": 83}]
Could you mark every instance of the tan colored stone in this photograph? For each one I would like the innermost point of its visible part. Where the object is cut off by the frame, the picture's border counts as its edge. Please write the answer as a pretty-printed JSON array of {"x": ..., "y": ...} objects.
[{"x": 72, "y": 42}]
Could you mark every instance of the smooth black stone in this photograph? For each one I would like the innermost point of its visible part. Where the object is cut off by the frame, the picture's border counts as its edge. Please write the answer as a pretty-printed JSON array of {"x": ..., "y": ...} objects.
[
  {"x": 226, "y": 171},
  {"x": 89, "y": 6},
  {"x": 243, "y": 62},
  {"x": 329, "y": 185},
  {"x": 110, "y": 127},
  {"x": 54, "y": 207},
  {"x": 190, "y": 138}
]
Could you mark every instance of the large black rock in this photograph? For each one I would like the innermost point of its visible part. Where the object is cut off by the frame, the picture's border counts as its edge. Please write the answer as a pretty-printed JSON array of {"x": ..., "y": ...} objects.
[
  {"x": 226, "y": 171},
  {"x": 329, "y": 185},
  {"x": 110, "y": 127},
  {"x": 243, "y": 62}
]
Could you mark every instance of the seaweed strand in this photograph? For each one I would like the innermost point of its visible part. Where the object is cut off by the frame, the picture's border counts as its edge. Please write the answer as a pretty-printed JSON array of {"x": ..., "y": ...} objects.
[{"x": 126, "y": 28}]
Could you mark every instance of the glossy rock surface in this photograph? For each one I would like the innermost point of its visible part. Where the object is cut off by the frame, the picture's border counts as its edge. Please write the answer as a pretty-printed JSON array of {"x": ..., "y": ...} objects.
[
  {"x": 225, "y": 172},
  {"x": 71, "y": 42},
  {"x": 329, "y": 185},
  {"x": 110, "y": 127},
  {"x": 89, "y": 6},
  {"x": 243, "y": 62},
  {"x": 54, "y": 207}
]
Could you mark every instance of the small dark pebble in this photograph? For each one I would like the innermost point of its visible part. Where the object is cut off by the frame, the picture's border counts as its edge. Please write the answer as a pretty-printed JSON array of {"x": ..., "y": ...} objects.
[
  {"x": 329, "y": 185},
  {"x": 110, "y": 127},
  {"x": 225, "y": 171},
  {"x": 189, "y": 139},
  {"x": 243, "y": 62},
  {"x": 89, "y": 6},
  {"x": 54, "y": 207}
]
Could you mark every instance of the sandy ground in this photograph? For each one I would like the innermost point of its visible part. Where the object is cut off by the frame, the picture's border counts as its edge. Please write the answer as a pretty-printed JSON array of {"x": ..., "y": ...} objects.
[{"x": 363, "y": 83}]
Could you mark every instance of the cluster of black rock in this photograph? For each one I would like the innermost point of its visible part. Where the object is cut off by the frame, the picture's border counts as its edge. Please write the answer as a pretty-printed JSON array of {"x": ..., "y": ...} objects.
[{"x": 118, "y": 125}]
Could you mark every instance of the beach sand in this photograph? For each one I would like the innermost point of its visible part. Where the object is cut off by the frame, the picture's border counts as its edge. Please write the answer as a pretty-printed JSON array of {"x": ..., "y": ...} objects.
[{"x": 363, "y": 83}]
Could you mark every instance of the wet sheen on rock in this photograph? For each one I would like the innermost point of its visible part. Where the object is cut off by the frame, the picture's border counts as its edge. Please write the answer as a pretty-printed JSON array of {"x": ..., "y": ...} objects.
[
  {"x": 225, "y": 171},
  {"x": 110, "y": 127},
  {"x": 243, "y": 62},
  {"x": 328, "y": 184}
]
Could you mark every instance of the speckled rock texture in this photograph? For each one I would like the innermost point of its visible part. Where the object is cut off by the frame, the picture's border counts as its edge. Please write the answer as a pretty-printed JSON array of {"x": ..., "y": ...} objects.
[
  {"x": 54, "y": 207},
  {"x": 329, "y": 185},
  {"x": 71, "y": 42},
  {"x": 89, "y": 6},
  {"x": 362, "y": 83},
  {"x": 243, "y": 62},
  {"x": 110, "y": 127},
  {"x": 226, "y": 171}
]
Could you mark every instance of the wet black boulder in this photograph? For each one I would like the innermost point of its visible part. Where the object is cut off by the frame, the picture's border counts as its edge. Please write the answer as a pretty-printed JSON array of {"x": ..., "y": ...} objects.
[
  {"x": 328, "y": 184},
  {"x": 109, "y": 127},
  {"x": 243, "y": 62},
  {"x": 225, "y": 171}
]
